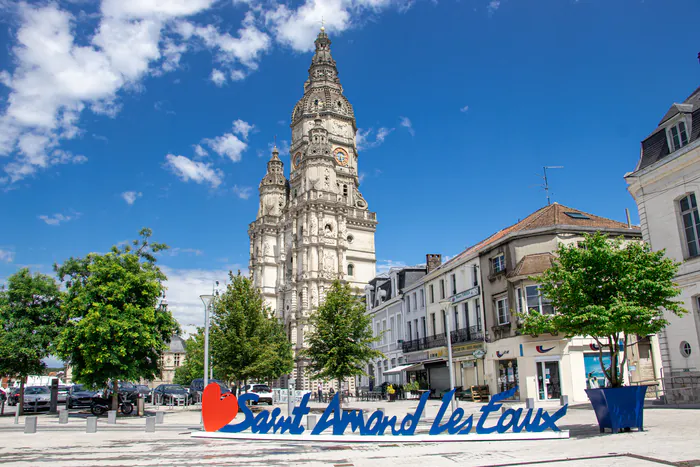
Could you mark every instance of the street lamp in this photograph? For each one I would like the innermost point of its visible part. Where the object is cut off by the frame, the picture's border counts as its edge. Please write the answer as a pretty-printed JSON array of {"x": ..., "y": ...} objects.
[
  {"x": 446, "y": 308},
  {"x": 206, "y": 299}
]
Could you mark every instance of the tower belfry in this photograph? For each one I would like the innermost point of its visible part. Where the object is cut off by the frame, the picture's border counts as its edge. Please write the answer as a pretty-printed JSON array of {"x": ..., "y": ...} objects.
[{"x": 315, "y": 226}]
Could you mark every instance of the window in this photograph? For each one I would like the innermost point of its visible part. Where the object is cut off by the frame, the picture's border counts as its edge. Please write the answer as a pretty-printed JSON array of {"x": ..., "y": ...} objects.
[
  {"x": 422, "y": 298},
  {"x": 519, "y": 300},
  {"x": 477, "y": 312},
  {"x": 466, "y": 314},
  {"x": 475, "y": 275},
  {"x": 425, "y": 331},
  {"x": 536, "y": 302},
  {"x": 176, "y": 358},
  {"x": 432, "y": 294},
  {"x": 350, "y": 238},
  {"x": 442, "y": 289},
  {"x": 453, "y": 278},
  {"x": 351, "y": 270},
  {"x": 444, "y": 327},
  {"x": 577, "y": 215},
  {"x": 378, "y": 333},
  {"x": 679, "y": 136},
  {"x": 345, "y": 190},
  {"x": 432, "y": 321},
  {"x": 399, "y": 328},
  {"x": 691, "y": 224},
  {"x": 685, "y": 349},
  {"x": 456, "y": 319},
  {"x": 498, "y": 263},
  {"x": 383, "y": 331},
  {"x": 391, "y": 329},
  {"x": 415, "y": 321},
  {"x": 502, "y": 311},
  {"x": 413, "y": 302},
  {"x": 410, "y": 332}
]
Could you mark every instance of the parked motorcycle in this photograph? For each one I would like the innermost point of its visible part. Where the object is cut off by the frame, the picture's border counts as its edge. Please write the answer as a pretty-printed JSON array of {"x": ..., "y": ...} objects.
[{"x": 102, "y": 402}]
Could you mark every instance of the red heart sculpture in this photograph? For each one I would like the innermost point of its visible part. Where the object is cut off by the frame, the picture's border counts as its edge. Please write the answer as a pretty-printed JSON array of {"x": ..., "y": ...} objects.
[{"x": 217, "y": 411}]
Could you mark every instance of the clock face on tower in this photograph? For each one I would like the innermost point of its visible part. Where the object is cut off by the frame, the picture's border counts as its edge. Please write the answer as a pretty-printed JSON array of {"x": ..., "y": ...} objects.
[
  {"x": 296, "y": 160},
  {"x": 341, "y": 157}
]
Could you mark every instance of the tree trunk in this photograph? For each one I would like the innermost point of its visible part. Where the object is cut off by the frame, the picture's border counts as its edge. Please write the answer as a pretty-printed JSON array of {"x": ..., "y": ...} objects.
[
  {"x": 340, "y": 394},
  {"x": 115, "y": 395},
  {"x": 21, "y": 394}
]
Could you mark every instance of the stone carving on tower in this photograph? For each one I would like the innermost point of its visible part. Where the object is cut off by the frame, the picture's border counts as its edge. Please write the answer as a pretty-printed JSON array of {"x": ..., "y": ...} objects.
[{"x": 314, "y": 227}]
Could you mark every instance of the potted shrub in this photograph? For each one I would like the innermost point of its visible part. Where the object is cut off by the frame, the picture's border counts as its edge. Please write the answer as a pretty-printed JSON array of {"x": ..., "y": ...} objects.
[
  {"x": 610, "y": 291},
  {"x": 392, "y": 392}
]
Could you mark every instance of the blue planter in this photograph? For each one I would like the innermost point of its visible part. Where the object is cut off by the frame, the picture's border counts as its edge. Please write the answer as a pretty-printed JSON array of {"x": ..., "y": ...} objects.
[{"x": 618, "y": 408}]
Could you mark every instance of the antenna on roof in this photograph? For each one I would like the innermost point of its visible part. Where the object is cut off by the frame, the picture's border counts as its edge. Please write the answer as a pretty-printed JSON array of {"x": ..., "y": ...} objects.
[{"x": 546, "y": 182}]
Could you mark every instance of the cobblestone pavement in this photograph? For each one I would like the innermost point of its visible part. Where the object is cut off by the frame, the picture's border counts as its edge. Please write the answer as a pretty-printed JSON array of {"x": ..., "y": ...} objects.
[{"x": 671, "y": 437}]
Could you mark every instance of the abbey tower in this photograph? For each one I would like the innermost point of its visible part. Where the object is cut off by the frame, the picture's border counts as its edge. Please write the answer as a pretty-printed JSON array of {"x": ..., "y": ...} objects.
[{"x": 314, "y": 227}]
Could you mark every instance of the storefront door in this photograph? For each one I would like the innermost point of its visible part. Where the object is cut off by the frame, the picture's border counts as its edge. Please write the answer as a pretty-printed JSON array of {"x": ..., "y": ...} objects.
[
  {"x": 508, "y": 376},
  {"x": 548, "y": 381}
]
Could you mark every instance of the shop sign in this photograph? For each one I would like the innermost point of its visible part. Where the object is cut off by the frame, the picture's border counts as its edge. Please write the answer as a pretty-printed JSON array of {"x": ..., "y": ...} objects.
[
  {"x": 442, "y": 352},
  {"x": 468, "y": 364},
  {"x": 416, "y": 357},
  {"x": 219, "y": 410},
  {"x": 468, "y": 348},
  {"x": 469, "y": 293}
]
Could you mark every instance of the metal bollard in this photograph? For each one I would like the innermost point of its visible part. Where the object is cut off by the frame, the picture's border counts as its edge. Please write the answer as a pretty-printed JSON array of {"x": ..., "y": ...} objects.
[
  {"x": 91, "y": 425},
  {"x": 112, "y": 417},
  {"x": 17, "y": 415},
  {"x": 150, "y": 424},
  {"x": 564, "y": 400},
  {"x": 530, "y": 403},
  {"x": 310, "y": 422},
  {"x": 160, "y": 417},
  {"x": 62, "y": 416},
  {"x": 30, "y": 424}
]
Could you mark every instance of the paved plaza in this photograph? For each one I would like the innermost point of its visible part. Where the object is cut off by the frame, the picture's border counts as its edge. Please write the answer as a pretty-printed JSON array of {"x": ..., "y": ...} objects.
[{"x": 671, "y": 437}]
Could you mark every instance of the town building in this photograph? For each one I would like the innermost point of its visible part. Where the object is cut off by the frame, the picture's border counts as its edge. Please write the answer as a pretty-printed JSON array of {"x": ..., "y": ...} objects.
[
  {"x": 387, "y": 304},
  {"x": 547, "y": 366},
  {"x": 453, "y": 307},
  {"x": 314, "y": 227},
  {"x": 171, "y": 359},
  {"x": 664, "y": 185}
]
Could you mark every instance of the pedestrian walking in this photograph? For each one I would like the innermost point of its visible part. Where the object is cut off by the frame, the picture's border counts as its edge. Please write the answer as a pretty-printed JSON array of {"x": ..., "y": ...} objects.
[{"x": 320, "y": 392}]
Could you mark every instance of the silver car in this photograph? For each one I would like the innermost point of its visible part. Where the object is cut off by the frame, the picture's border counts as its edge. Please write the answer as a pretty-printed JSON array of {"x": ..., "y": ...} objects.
[{"x": 37, "y": 398}]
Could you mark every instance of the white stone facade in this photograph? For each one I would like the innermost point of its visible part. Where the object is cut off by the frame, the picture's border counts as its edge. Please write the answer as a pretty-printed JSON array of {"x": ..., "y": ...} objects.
[{"x": 316, "y": 226}]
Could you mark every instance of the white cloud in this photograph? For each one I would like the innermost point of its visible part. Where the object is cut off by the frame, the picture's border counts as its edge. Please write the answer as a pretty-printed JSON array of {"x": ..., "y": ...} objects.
[
  {"x": 406, "y": 123},
  {"x": 363, "y": 139},
  {"x": 176, "y": 251},
  {"x": 57, "y": 219},
  {"x": 200, "y": 151},
  {"x": 198, "y": 172},
  {"x": 237, "y": 75},
  {"x": 227, "y": 145},
  {"x": 218, "y": 77},
  {"x": 242, "y": 192},
  {"x": 184, "y": 286},
  {"x": 386, "y": 264},
  {"x": 242, "y": 128},
  {"x": 131, "y": 196},
  {"x": 464, "y": 109},
  {"x": 6, "y": 256},
  {"x": 493, "y": 6}
]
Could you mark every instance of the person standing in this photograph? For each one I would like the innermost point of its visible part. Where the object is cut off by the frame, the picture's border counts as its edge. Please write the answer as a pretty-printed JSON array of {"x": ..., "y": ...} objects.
[{"x": 320, "y": 392}]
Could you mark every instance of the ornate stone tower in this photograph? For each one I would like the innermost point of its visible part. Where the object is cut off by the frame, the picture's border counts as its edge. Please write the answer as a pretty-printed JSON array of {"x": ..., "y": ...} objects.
[{"x": 316, "y": 227}]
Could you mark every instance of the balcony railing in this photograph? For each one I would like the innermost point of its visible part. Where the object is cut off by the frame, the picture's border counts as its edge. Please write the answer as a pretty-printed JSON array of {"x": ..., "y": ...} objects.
[{"x": 460, "y": 336}]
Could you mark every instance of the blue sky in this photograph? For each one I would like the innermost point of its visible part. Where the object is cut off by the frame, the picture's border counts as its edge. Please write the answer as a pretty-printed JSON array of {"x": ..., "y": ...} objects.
[{"x": 129, "y": 113}]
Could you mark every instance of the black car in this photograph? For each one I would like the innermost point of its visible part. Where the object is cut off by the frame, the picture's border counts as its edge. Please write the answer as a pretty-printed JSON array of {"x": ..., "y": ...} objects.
[
  {"x": 79, "y": 396},
  {"x": 167, "y": 394},
  {"x": 144, "y": 391},
  {"x": 197, "y": 387}
]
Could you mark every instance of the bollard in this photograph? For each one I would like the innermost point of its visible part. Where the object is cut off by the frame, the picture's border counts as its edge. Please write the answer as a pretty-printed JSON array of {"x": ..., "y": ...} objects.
[
  {"x": 17, "y": 415},
  {"x": 150, "y": 424},
  {"x": 112, "y": 417},
  {"x": 30, "y": 424},
  {"x": 140, "y": 407},
  {"x": 160, "y": 417},
  {"x": 62, "y": 416},
  {"x": 564, "y": 400},
  {"x": 530, "y": 403},
  {"x": 91, "y": 425},
  {"x": 310, "y": 422}
]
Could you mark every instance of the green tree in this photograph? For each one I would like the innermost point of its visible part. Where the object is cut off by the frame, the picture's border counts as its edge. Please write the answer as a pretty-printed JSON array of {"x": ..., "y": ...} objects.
[
  {"x": 193, "y": 367},
  {"x": 608, "y": 290},
  {"x": 116, "y": 330},
  {"x": 340, "y": 339},
  {"x": 246, "y": 341},
  {"x": 30, "y": 320}
]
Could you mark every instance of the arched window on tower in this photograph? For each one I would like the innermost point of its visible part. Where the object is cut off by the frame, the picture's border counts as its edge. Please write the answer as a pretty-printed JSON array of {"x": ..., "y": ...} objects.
[{"x": 351, "y": 270}]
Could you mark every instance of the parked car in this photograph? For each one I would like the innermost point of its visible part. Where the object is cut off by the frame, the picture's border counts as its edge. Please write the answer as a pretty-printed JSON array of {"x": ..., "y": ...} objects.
[
  {"x": 197, "y": 386},
  {"x": 3, "y": 395},
  {"x": 79, "y": 396},
  {"x": 170, "y": 394},
  {"x": 144, "y": 391},
  {"x": 37, "y": 398},
  {"x": 63, "y": 394},
  {"x": 262, "y": 390}
]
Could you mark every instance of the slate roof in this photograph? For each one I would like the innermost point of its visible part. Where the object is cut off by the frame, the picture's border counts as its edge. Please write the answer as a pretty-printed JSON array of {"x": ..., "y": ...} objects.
[
  {"x": 177, "y": 345},
  {"x": 548, "y": 216},
  {"x": 655, "y": 146}
]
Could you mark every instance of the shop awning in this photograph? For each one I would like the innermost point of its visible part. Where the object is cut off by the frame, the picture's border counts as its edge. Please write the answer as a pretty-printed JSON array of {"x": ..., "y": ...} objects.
[{"x": 401, "y": 368}]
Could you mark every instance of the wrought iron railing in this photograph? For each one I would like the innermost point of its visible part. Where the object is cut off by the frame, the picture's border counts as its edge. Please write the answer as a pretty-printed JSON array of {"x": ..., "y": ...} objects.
[{"x": 470, "y": 334}]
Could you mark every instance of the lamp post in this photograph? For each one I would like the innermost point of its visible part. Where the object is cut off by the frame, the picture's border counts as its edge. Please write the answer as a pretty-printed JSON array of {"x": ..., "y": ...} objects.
[
  {"x": 206, "y": 299},
  {"x": 446, "y": 304}
]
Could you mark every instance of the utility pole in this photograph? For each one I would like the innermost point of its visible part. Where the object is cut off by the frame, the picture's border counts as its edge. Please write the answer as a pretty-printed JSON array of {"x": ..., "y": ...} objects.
[{"x": 546, "y": 182}]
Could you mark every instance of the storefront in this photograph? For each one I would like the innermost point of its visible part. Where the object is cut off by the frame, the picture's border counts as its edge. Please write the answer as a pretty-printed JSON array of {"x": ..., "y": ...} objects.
[
  {"x": 508, "y": 376},
  {"x": 469, "y": 371},
  {"x": 417, "y": 371}
]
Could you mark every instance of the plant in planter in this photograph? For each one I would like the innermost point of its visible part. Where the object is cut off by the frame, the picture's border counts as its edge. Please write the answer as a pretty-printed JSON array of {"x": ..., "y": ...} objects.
[
  {"x": 609, "y": 291},
  {"x": 392, "y": 392}
]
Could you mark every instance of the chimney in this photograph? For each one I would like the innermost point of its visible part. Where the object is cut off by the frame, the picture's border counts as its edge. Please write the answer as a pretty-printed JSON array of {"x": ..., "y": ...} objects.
[{"x": 432, "y": 262}]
